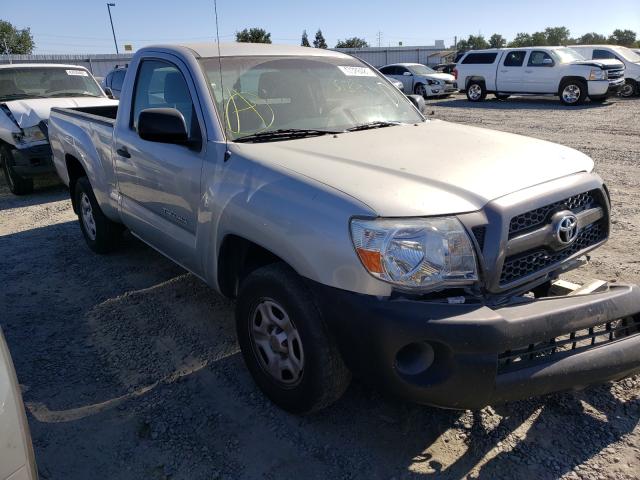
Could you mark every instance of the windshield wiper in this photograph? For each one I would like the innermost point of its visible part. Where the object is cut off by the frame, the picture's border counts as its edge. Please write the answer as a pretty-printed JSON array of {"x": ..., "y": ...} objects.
[
  {"x": 284, "y": 134},
  {"x": 370, "y": 125},
  {"x": 72, "y": 94}
]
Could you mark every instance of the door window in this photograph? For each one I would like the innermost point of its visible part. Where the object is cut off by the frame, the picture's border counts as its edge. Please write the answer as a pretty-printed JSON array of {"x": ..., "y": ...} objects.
[
  {"x": 515, "y": 58},
  {"x": 540, "y": 59},
  {"x": 161, "y": 85}
]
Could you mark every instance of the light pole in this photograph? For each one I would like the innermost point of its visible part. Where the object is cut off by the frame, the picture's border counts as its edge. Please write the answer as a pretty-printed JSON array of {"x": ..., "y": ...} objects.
[{"x": 109, "y": 5}]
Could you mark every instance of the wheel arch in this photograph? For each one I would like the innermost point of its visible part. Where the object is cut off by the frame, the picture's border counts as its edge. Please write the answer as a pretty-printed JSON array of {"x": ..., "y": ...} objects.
[
  {"x": 75, "y": 170},
  {"x": 475, "y": 78},
  {"x": 571, "y": 78}
]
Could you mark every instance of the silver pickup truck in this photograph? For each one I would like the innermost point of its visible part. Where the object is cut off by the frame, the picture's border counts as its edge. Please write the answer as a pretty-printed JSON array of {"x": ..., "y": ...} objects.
[{"x": 355, "y": 241}]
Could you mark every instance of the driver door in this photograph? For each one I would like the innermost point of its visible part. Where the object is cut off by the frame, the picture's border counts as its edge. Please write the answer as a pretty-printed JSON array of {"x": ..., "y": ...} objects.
[{"x": 159, "y": 183}]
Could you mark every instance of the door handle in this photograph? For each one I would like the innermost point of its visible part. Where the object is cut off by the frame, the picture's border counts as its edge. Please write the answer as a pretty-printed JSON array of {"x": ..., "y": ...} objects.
[{"x": 123, "y": 152}]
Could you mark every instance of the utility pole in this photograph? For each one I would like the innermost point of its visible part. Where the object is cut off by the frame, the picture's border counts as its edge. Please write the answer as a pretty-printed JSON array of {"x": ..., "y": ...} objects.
[
  {"x": 109, "y": 5},
  {"x": 379, "y": 37},
  {"x": 6, "y": 49},
  {"x": 455, "y": 43}
]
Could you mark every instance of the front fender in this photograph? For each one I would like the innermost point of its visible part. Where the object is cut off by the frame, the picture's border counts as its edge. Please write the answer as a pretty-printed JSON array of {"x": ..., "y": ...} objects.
[{"x": 302, "y": 221}]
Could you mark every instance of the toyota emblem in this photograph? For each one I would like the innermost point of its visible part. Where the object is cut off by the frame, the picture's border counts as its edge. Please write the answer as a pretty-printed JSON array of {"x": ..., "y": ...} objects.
[{"x": 567, "y": 229}]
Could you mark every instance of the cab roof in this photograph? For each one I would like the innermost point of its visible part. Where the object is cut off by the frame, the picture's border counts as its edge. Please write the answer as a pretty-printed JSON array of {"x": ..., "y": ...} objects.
[
  {"x": 39, "y": 65},
  {"x": 210, "y": 49}
]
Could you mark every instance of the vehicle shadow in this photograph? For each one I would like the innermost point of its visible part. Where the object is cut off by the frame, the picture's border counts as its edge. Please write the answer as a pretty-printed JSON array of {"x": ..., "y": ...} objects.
[
  {"x": 46, "y": 190},
  {"x": 517, "y": 103}
]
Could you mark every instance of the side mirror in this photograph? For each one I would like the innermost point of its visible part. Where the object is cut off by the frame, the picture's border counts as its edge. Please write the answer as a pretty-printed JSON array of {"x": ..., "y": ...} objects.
[
  {"x": 547, "y": 62},
  {"x": 164, "y": 125},
  {"x": 418, "y": 101},
  {"x": 108, "y": 92},
  {"x": 407, "y": 74}
]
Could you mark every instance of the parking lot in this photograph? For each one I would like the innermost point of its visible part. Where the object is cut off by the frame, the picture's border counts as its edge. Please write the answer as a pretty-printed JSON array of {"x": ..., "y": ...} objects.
[{"x": 130, "y": 367}]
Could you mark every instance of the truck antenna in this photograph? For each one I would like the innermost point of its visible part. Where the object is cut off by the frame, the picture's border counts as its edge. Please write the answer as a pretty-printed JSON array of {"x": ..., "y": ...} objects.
[{"x": 227, "y": 154}]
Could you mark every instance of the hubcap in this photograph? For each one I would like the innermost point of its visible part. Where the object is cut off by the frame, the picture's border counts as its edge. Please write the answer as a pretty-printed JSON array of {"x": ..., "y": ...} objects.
[
  {"x": 626, "y": 90},
  {"x": 276, "y": 343},
  {"x": 86, "y": 212},
  {"x": 475, "y": 91},
  {"x": 571, "y": 93}
]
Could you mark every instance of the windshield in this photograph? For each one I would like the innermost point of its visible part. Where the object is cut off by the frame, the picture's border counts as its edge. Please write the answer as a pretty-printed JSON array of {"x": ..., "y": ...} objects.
[
  {"x": 421, "y": 70},
  {"x": 628, "y": 54},
  {"x": 567, "y": 55},
  {"x": 268, "y": 93},
  {"x": 46, "y": 82}
]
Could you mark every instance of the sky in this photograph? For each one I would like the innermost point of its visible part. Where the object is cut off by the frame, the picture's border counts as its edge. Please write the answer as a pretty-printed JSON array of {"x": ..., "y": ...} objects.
[{"x": 82, "y": 26}]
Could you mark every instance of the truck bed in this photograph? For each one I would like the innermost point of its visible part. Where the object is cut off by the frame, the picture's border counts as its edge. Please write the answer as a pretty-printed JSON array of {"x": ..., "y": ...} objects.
[{"x": 105, "y": 114}]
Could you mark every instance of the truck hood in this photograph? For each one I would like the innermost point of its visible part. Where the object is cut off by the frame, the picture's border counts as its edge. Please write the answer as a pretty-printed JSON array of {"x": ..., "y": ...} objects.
[
  {"x": 31, "y": 111},
  {"x": 604, "y": 63},
  {"x": 432, "y": 168}
]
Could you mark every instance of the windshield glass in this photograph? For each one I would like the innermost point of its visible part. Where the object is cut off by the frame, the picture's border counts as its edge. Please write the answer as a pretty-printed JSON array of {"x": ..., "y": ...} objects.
[
  {"x": 628, "y": 54},
  {"x": 267, "y": 93},
  {"x": 421, "y": 70},
  {"x": 46, "y": 82},
  {"x": 567, "y": 55}
]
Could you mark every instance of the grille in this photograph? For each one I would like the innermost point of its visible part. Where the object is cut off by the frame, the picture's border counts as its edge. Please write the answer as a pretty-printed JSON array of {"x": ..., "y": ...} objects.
[
  {"x": 615, "y": 73},
  {"x": 535, "y": 218},
  {"x": 530, "y": 262},
  {"x": 567, "y": 344}
]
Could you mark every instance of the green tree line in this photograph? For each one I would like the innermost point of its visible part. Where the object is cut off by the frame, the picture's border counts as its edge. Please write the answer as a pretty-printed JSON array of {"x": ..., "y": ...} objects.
[{"x": 551, "y": 36}]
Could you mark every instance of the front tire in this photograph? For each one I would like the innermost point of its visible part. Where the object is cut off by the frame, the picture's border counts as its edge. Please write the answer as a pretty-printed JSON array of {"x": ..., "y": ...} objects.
[
  {"x": 420, "y": 89},
  {"x": 17, "y": 184},
  {"x": 476, "y": 91},
  {"x": 573, "y": 92},
  {"x": 101, "y": 234},
  {"x": 629, "y": 89},
  {"x": 285, "y": 343}
]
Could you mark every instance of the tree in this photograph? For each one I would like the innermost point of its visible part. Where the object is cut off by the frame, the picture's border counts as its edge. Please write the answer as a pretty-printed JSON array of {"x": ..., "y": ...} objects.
[
  {"x": 15, "y": 41},
  {"x": 474, "y": 42},
  {"x": 320, "y": 42},
  {"x": 557, "y": 35},
  {"x": 521, "y": 40},
  {"x": 254, "y": 35},
  {"x": 538, "y": 39},
  {"x": 353, "y": 42},
  {"x": 497, "y": 41},
  {"x": 625, "y": 38},
  {"x": 305, "y": 39},
  {"x": 592, "y": 38}
]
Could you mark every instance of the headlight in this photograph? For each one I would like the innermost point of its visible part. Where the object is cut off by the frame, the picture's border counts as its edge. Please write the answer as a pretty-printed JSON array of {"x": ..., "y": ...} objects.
[
  {"x": 433, "y": 82},
  {"x": 416, "y": 254},
  {"x": 30, "y": 135},
  {"x": 597, "y": 74}
]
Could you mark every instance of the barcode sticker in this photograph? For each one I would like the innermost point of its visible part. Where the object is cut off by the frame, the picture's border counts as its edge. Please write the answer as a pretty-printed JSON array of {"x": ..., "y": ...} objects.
[
  {"x": 357, "y": 71},
  {"x": 78, "y": 73}
]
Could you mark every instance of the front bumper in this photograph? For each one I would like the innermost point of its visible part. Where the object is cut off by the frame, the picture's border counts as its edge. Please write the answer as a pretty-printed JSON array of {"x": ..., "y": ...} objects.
[
  {"x": 32, "y": 161},
  {"x": 469, "y": 342},
  {"x": 446, "y": 89}
]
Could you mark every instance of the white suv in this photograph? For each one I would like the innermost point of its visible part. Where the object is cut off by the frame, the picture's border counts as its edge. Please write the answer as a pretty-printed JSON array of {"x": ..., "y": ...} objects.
[
  {"x": 537, "y": 71},
  {"x": 630, "y": 58}
]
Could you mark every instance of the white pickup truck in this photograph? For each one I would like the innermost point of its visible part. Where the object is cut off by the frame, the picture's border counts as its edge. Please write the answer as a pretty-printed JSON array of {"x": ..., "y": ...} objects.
[
  {"x": 537, "y": 71},
  {"x": 27, "y": 93},
  {"x": 303, "y": 184}
]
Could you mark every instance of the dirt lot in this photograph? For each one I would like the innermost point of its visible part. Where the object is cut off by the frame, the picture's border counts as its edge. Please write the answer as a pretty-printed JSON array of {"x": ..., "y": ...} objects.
[{"x": 130, "y": 369}]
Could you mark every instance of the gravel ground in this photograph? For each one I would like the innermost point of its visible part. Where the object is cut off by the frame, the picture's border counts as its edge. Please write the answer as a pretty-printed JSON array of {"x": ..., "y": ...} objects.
[{"x": 130, "y": 368}]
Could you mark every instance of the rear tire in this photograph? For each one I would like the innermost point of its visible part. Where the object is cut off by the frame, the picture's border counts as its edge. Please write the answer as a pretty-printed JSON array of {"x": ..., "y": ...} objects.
[
  {"x": 476, "y": 91},
  {"x": 285, "y": 343},
  {"x": 573, "y": 92},
  {"x": 629, "y": 89},
  {"x": 101, "y": 234},
  {"x": 17, "y": 184}
]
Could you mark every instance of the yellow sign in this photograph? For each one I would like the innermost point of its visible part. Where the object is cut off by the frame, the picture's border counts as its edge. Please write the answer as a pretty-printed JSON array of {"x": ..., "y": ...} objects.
[{"x": 128, "y": 47}]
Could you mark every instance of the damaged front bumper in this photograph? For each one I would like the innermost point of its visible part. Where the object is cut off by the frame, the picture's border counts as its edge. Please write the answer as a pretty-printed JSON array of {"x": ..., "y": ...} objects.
[
  {"x": 473, "y": 355},
  {"x": 32, "y": 161}
]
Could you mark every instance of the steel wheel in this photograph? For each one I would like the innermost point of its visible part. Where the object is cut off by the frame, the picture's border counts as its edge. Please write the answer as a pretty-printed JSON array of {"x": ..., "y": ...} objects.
[
  {"x": 571, "y": 93},
  {"x": 276, "y": 343},
  {"x": 475, "y": 91},
  {"x": 627, "y": 90},
  {"x": 86, "y": 212}
]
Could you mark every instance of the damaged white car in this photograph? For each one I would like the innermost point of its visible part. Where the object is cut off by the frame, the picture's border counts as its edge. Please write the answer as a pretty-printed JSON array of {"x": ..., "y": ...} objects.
[{"x": 27, "y": 93}]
